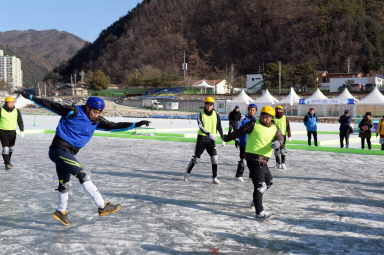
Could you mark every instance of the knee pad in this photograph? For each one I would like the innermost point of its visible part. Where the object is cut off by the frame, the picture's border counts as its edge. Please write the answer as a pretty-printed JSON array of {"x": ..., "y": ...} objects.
[
  {"x": 64, "y": 188},
  {"x": 215, "y": 159},
  {"x": 277, "y": 152},
  {"x": 195, "y": 160},
  {"x": 6, "y": 150},
  {"x": 283, "y": 152},
  {"x": 11, "y": 149},
  {"x": 262, "y": 187},
  {"x": 83, "y": 176}
]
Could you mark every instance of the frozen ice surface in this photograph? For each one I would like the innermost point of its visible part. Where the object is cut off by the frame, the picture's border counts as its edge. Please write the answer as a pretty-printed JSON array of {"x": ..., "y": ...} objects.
[{"x": 325, "y": 203}]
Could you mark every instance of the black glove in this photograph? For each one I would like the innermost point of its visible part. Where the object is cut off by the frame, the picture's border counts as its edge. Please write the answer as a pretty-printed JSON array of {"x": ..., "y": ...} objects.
[
  {"x": 237, "y": 144},
  {"x": 142, "y": 123},
  {"x": 23, "y": 93},
  {"x": 225, "y": 138}
]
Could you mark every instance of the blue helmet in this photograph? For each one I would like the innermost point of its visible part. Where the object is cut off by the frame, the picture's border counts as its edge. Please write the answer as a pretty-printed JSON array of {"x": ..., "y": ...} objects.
[
  {"x": 252, "y": 105},
  {"x": 95, "y": 103}
]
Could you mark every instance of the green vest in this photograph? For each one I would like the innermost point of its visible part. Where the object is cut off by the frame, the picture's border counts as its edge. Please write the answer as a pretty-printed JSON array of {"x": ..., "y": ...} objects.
[
  {"x": 282, "y": 124},
  {"x": 8, "y": 120},
  {"x": 260, "y": 140},
  {"x": 209, "y": 122}
]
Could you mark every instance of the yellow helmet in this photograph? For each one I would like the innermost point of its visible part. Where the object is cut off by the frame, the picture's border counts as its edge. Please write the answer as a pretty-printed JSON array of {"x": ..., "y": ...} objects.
[
  {"x": 279, "y": 107},
  {"x": 269, "y": 110},
  {"x": 209, "y": 100},
  {"x": 9, "y": 99}
]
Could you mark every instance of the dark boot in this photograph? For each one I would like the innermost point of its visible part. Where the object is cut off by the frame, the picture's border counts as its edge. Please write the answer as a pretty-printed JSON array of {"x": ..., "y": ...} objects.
[{"x": 240, "y": 169}]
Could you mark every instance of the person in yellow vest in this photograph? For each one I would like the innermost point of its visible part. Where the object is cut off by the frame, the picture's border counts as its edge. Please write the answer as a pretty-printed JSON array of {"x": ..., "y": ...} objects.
[
  {"x": 10, "y": 117},
  {"x": 282, "y": 122},
  {"x": 263, "y": 137},
  {"x": 209, "y": 124},
  {"x": 380, "y": 131}
]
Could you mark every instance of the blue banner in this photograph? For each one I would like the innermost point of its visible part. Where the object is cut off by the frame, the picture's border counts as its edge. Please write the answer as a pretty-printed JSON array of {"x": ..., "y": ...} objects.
[{"x": 169, "y": 93}]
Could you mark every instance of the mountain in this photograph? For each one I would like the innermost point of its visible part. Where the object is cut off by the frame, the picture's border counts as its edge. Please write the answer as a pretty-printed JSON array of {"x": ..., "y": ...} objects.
[
  {"x": 242, "y": 34},
  {"x": 39, "y": 51}
]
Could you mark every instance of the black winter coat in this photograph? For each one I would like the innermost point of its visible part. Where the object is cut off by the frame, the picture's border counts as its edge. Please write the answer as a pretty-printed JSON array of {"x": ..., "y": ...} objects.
[{"x": 365, "y": 133}]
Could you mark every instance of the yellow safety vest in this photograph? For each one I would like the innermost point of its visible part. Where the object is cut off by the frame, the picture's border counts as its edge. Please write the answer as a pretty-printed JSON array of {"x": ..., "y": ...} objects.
[
  {"x": 260, "y": 140},
  {"x": 380, "y": 127},
  {"x": 209, "y": 122},
  {"x": 282, "y": 124},
  {"x": 8, "y": 120}
]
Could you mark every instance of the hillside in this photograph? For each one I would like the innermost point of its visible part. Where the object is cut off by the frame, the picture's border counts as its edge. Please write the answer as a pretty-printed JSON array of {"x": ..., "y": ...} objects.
[
  {"x": 39, "y": 51},
  {"x": 247, "y": 34}
]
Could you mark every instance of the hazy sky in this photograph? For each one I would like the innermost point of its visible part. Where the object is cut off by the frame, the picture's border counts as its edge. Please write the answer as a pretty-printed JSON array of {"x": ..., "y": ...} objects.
[{"x": 84, "y": 18}]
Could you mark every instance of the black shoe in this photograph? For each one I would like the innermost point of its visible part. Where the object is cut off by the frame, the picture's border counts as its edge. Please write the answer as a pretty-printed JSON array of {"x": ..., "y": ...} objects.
[
  {"x": 63, "y": 218},
  {"x": 109, "y": 208}
]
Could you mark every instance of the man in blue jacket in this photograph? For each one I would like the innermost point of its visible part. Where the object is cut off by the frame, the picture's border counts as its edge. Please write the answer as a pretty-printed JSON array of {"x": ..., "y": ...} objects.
[
  {"x": 310, "y": 122},
  {"x": 75, "y": 129},
  {"x": 252, "y": 109}
]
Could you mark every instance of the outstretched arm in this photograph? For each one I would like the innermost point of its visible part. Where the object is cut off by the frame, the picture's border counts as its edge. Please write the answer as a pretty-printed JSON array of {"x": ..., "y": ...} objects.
[
  {"x": 246, "y": 129},
  {"x": 20, "y": 122},
  {"x": 106, "y": 125},
  {"x": 219, "y": 126},
  {"x": 62, "y": 110}
]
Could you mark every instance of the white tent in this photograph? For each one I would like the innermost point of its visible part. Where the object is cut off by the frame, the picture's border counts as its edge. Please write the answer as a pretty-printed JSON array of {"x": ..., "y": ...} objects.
[
  {"x": 203, "y": 85},
  {"x": 242, "y": 100},
  {"x": 266, "y": 98},
  {"x": 345, "y": 95},
  {"x": 373, "y": 98},
  {"x": 291, "y": 99},
  {"x": 316, "y": 97}
]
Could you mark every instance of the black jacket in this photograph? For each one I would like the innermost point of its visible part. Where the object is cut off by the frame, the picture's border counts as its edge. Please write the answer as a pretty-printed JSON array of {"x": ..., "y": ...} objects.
[
  {"x": 345, "y": 123},
  {"x": 234, "y": 116}
]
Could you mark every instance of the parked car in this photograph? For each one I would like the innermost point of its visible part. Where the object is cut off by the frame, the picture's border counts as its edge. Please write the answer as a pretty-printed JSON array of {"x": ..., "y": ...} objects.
[
  {"x": 369, "y": 87},
  {"x": 357, "y": 87}
]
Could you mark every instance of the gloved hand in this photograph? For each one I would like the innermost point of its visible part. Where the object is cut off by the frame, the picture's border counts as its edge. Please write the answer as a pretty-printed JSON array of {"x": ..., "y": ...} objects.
[
  {"x": 142, "y": 123},
  {"x": 237, "y": 144},
  {"x": 213, "y": 137},
  {"x": 22, "y": 133},
  {"x": 276, "y": 144},
  {"x": 22, "y": 93},
  {"x": 289, "y": 139},
  {"x": 223, "y": 144}
]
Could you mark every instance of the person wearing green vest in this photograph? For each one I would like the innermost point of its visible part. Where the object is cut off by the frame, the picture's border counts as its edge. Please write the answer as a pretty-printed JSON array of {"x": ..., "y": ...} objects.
[
  {"x": 282, "y": 122},
  {"x": 10, "y": 117},
  {"x": 209, "y": 124},
  {"x": 263, "y": 137}
]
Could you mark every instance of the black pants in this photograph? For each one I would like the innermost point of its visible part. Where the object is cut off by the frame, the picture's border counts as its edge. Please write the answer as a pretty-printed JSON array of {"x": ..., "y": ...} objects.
[
  {"x": 344, "y": 135},
  {"x": 232, "y": 126},
  {"x": 66, "y": 164},
  {"x": 204, "y": 143},
  {"x": 368, "y": 142},
  {"x": 259, "y": 173},
  {"x": 314, "y": 133},
  {"x": 8, "y": 139},
  {"x": 241, "y": 166}
]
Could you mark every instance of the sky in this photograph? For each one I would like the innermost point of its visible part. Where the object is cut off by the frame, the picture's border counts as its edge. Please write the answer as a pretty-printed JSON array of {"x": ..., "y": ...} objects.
[{"x": 83, "y": 18}]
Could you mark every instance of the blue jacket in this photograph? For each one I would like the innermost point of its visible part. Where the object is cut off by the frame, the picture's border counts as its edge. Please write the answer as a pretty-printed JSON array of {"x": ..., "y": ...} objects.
[
  {"x": 310, "y": 122},
  {"x": 244, "y": 120}
]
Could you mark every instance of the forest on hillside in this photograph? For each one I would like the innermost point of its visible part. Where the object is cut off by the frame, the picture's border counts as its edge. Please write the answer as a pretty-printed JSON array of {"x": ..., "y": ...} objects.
[{"x": 237, "y": 37}]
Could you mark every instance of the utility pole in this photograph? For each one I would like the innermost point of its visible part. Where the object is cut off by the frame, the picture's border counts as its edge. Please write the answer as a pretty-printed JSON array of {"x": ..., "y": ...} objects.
[
  {"x": 75, "y": 86},
  {"x": 349, "y": 62},
  {"x": 184, "y": 66},
  {"x": 279, "y": 77}
]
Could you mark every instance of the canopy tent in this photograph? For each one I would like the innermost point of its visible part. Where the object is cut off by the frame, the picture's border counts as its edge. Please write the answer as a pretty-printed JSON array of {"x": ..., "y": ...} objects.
[
  {"x": 373, "y": 103},
  {"x": 373, "y": 98},
  {"x": 290, "y": 102},
  {"x": 203, "y": 85},
  {"x": 346, "y": 95},
  {"x": 266, "y": 98},
  {"x": 291, "y": 99},
  {"x": 242, "y": 100},
  {"x": 317, "y": 96}
]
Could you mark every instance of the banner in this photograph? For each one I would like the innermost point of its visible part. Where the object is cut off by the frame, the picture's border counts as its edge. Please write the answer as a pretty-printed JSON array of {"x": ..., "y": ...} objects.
[
  {"x": 169, "y": 93},
  {"x": 327, "y": 101}
]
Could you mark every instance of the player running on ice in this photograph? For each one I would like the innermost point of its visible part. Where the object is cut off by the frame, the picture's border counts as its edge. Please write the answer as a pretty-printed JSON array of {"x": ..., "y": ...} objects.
[
  {"x": 209, "y": 123},
  {"x": 252, "y": 109},
  {"x": 282, "y": 122},
  {"x": 75, "y": 129},
  {"x": 263, "y": 137}
]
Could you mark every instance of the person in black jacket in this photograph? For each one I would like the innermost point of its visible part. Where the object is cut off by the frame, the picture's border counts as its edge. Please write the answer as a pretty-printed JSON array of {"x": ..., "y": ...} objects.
[
  {"x": 10, "y": 117},
  {"x": 365, "y": 126},
  {"x": 76, "y": 127},
  {"x": 234, "y": 118},
  {"x": 345, "y": 128}
]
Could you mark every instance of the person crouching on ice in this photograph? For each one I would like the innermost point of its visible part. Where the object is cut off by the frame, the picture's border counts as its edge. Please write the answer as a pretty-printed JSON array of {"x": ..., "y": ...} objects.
[
  {"x": 263, "y": 137},
  {"x": 282, "y": 122},
  {"x": 209, "y": 123},
  {"x": 10, "y": 117},
  {"x": 75, "y": 129}
]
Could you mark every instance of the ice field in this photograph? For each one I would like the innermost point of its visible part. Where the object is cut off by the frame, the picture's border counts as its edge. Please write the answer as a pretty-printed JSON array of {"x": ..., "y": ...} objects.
[{"x": 324, "y": 203}]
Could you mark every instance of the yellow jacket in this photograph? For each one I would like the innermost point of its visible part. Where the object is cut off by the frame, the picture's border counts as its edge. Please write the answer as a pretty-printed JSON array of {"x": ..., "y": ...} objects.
[{"x": 380, "y": 127}]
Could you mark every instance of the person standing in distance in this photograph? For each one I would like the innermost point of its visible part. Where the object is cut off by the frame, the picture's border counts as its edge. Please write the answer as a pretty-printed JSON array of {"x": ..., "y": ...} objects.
[
  {"x": 365, "y": 133},
  {"x": 10, "y": 118},
  {"x": 380, "y": 131},
  {"x": 76, "y": 127},
  {"x": 234, "y": 118},
  {"x": 310, "y": 122},
  {"x": 252, "y": 109},
  {"x": 282, "y": 122},
  {"x": 345, "y": 127},
  {"x": 263, "y": 137},
  {"x": 209, "y": 124}
]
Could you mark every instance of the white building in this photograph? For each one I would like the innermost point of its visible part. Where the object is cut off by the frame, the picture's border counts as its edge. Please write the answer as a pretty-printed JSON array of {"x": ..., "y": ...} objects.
[
  {"x": 336, "y": 83},
  {"x": 10, "y": 70}
]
